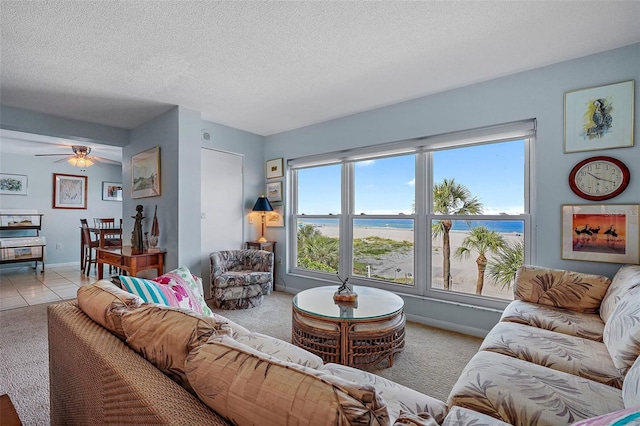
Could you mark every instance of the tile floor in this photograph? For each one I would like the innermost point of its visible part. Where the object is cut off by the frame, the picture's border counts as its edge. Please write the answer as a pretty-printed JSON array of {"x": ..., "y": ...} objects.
[{"x": 22, "y": 286}]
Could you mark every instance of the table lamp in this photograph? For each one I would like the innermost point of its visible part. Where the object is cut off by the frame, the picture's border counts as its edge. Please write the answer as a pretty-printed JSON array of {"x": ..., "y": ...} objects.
[{"x": 262, "y": 205}]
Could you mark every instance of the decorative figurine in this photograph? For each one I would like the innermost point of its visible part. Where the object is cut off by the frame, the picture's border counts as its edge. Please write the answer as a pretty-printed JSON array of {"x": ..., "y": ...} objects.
[
  {"x": 154, "y": 236},
  {"x": 345, "y": 292},
  {"x": 136, "y": 236}
]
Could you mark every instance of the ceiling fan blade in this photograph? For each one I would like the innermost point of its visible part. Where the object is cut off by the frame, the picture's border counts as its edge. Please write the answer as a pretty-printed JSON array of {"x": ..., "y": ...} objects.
[
  {"x": 104, "y": 160},
  {"x": 63, "y": 159},
  {"x": 48, "y": 155}
]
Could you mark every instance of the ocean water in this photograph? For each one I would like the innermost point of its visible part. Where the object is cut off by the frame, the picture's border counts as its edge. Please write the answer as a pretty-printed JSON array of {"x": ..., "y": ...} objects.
[{"x": 513, "y": 226}]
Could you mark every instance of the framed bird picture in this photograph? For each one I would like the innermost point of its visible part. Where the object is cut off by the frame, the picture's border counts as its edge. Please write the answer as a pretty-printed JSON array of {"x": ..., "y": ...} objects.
[{"x": 599, "y": 117}]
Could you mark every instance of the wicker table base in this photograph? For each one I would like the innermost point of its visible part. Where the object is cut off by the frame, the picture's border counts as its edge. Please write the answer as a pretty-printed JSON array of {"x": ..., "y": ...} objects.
[{"x": 349, "y": 341}]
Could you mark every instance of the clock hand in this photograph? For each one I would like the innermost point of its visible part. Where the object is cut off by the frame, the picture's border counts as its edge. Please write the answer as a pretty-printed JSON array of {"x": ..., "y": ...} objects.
[{"x": 599, "y": 178}]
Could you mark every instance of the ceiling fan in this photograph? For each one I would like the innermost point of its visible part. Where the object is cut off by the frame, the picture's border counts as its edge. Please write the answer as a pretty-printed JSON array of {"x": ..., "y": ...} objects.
[{"x": 80, "y": 157}]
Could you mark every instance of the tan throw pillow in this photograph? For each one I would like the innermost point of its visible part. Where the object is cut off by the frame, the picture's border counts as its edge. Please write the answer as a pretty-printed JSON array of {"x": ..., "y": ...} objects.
[
  {"x": 105, "y": 303},
  {"x": 252, "y": 388},
  {"x": 560, "y": 288},
  {"x": 165, "y": 335}
]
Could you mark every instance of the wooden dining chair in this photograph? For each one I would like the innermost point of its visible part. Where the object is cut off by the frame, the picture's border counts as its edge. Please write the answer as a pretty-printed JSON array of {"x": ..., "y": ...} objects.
[
  {"x": 88, "y": 247},
  {"x": 112, "y": 240}
]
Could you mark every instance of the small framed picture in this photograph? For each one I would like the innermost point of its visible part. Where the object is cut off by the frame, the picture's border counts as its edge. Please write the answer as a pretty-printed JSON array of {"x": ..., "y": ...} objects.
[
  {"x": 69, "y": 191},
  {"x": 274, "y": 191},
  {"x": 601, "y": 233},
  {"x": 145, "y": 173},
  {"x": 111, "y": 191},
  {"x": 275, "y": 168},
  {"x": 599, "y": 117},
  {"x": 275, "y": 218},
  {"x": 13, "y": 184}
]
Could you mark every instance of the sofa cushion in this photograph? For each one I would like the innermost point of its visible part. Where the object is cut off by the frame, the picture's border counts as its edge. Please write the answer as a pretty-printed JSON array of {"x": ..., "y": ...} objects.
[
  {"x": 242, "y": 278},
  {"x": 523, "y": 393},
  {"x": 625, "y": 279},
  {"x": 419, "y": 419},
  {"x": 105, "y": 303},
  {"x": 165, "y": 335},
  {"x": 252, "y": 388},
  {"x": 628, "y": 416},
  {"x": 622, "y": 331},
  {"x": 399, "y": 398},
  {"x": 187, "y": 289},
  {"x": 560, "y": 288},
  {"x": 459, "y": 416},
  {"x": 588, "y": 326},
  {"x": 631, "y": 386},
  {"x": 571, "y": 354},
  {"x": 280, "y": 349}
]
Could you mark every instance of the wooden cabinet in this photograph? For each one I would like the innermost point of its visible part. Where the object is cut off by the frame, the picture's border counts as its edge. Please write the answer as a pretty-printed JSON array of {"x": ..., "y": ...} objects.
[
  {"x": 20, "y": 239},
  {"x": 268, "y": 246}
]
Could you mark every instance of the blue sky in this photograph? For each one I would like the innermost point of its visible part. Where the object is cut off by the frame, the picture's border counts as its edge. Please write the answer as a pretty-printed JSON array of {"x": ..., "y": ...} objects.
[{"x": 492, "y": 172}]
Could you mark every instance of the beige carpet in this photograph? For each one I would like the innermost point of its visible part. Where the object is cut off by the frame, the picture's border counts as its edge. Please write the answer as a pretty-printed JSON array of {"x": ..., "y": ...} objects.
[{"x": 430, "y": 363}]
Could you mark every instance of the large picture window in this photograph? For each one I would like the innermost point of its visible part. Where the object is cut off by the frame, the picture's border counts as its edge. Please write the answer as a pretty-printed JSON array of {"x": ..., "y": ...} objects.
[{"x": 445, "y": 217}]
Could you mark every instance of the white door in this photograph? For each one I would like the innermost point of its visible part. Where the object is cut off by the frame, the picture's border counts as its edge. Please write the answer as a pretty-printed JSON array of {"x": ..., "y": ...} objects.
[{"x": 222, "y": 214}]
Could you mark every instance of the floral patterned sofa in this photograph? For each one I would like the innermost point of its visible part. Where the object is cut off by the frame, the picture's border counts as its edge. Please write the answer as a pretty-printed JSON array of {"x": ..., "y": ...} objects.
[
  {"x": 566, "y": 350},
  {"x": 240, "y": 278}
]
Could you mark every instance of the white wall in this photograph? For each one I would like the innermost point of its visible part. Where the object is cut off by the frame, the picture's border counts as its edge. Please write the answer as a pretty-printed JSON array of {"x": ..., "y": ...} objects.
[
  {"x": 59, "y": 226},
  {"x": 533, "y": 94}
]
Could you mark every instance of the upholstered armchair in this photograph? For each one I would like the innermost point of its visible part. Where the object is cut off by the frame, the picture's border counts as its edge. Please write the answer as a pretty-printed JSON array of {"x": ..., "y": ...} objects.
[{"x": 240, "y": 278}]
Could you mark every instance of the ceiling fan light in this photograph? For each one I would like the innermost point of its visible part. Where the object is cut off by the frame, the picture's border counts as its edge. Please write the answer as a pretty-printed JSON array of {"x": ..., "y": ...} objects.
[{"x": 80, "y": 162}]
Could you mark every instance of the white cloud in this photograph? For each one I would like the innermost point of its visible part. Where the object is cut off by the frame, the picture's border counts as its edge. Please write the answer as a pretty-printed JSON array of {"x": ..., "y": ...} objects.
[
  {"x": 412, "y": 182},
  {"x": 365, "y": 163}
]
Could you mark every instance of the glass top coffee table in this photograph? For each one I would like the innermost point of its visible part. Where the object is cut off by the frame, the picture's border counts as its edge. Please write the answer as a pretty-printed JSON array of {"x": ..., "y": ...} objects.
[{"x": 360, "y": 334}]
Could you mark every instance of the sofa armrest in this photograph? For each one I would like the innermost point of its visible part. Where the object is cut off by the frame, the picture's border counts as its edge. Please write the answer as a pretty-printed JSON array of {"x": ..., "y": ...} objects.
[{"x": 560, "y": 288}]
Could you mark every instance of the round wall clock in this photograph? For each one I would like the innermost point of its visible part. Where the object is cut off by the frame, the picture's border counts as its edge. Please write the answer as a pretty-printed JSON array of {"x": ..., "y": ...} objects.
[{"x": 599, "y": 178}]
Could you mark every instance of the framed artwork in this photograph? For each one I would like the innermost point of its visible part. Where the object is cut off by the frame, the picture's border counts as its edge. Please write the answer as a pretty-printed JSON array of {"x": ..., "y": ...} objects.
[
  {"x": 13, "y": 184},
  {"x": 274, "y": 191},
  {"x": 599, "y": 117},
  {"x": 601, "y": 233},
  {"x": 69, "y": 191},
  {"x": 111, "y": 191},
  {"x": 145, "y": 174},
  {"x": 275, "y": 168},
  {"x": 275, "y": 218}
]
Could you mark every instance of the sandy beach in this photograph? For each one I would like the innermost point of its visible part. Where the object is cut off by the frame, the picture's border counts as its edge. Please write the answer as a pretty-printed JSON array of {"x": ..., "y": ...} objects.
[{"x": 464, "y": 272}]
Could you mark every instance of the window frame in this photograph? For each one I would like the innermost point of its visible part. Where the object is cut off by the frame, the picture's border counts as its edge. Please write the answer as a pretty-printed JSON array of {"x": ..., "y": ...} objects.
[{"x": 423, "y": 149}]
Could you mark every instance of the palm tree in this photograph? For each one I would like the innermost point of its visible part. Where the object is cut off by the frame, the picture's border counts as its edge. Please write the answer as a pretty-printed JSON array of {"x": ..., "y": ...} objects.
[
  {"x": 482, "y": 240},
  {"x": 317, "y": 251},
  {"x": 510, "y": 258},
  {"x": 450, "y": 198}
]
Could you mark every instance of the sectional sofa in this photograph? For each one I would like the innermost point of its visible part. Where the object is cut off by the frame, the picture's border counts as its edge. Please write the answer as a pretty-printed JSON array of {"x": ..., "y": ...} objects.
[{"x": 565, "y": 351}]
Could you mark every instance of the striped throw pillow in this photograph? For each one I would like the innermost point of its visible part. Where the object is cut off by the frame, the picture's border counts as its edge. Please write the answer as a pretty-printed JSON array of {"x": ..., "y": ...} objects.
[{"x": 148, "y": 290}]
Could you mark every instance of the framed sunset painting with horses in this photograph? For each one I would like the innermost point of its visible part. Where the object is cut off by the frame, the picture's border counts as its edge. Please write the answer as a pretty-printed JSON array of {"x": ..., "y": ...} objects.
[{"x": 601, "y": 233}]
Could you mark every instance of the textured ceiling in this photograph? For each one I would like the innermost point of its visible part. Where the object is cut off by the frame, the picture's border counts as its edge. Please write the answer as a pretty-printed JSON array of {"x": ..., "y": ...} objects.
[{"x": 268, "y": 67}]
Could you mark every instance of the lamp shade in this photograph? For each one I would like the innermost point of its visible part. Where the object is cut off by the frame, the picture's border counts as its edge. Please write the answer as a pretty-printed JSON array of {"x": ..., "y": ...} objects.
[{"x": 262, "y": 205}]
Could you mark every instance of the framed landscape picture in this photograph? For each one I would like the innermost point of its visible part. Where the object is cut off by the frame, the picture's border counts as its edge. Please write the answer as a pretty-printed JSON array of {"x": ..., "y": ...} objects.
[
  {"x": 13, "y": 184},
  {"x": 145, "y": 173},
  {"x": 274, "y": 191},
  {"x": 599, "y": 117},
  {"x": 69, "y": 191},
  {"x": 275, "y": 218},
  {"x": 111, "y": 191},
  {"x": 601, "y": 233}
]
